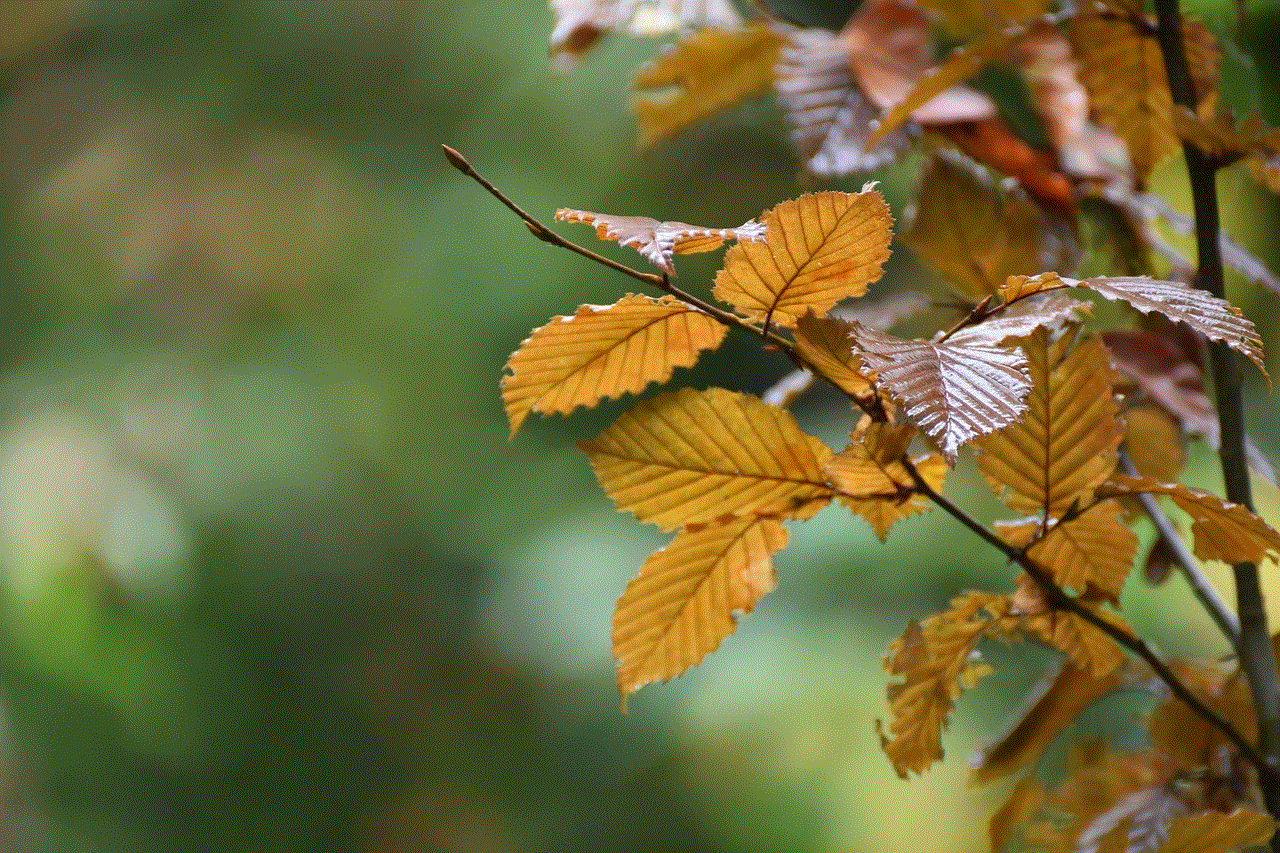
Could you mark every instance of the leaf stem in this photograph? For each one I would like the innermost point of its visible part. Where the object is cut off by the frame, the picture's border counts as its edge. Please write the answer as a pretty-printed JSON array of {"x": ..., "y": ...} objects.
[
  {"x": 1217, "y": 609},
  {"x": 1257, "y": 654},
  {"x": 1058, "y": 598}
]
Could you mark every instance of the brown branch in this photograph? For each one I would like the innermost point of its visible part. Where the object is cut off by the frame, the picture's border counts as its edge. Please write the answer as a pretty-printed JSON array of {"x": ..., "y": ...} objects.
[{"x": 1057, "y": 598}]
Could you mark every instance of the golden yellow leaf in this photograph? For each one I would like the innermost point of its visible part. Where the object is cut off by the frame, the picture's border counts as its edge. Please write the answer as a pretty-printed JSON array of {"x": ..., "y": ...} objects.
[
  {"x": 935, "y": 658},
  {"x": 604, "y": 351},
  {"x": 711, "y": 69},
  {"x": 658, "y": 241},
  {"x": 954, "y": 392},
  {"x": 1223, "y": 531},
  {"x": 967, "y": 15},
  {"x": 817, "y": 250},
  {"x": 1154, "y": 442},
  {"x": 1215, "y": 832},
  {"x": 972, "y": 232},
  {"x": 1066, "y": 444},
  {"x": 1053, "y": 703},
  {"x": 1091, "y": 552},
  {"x": 1084, "y": 645},
  {"x": 693, "y": 457},
  {"x": 824, "y": 343},
  {"x": 870, "y": 479},
  {"x": 1123, "y": 70},
  {"x": 683, "y": 603},
  {"x": 1022, "y": 802}
]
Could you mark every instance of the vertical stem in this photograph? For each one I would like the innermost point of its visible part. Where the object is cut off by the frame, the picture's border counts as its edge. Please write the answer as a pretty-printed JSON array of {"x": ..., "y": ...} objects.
[{"x": 1257, "y": 655}]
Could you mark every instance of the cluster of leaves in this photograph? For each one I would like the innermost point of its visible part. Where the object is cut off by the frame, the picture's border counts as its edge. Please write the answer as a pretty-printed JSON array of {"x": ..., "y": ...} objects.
[{"x": 1057, "y": 413}]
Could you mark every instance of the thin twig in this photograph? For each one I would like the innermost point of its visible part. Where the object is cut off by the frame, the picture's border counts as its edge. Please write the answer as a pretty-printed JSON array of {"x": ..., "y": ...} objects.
[
  {"x": 1218, "y": 610},
  {"x": 1058, "y": 599}
]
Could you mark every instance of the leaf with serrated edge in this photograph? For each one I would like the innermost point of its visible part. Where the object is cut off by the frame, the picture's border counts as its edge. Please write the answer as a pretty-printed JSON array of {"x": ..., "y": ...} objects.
[
  {"x": 1066, "y": 445},
  {"x": 658, "y": 241},
  {"x": 1021, "y": 319},
  {"x": 972, "y": 232},
  {"x": 1223, "y": 531},
  {"x": 824, "y": 343},
  {"x": 870, "y": 479},
  {"x": 829, "y": 115},
  {"x": 935, "y": 659},
  {"x": 683, "y": 603},
  {"x": 693, "y": 457},
  {"x": 711, "y": 70},
  {"x": 954, "y": 392},
  {"x": 817, "y": 249},
  {"x": 604, "y": 351},
  {"x": 1085, "y": 645},
  {"x": 1051, "y": 705},
  {"x": 1092, "y": 551},
  {"x": 1215, "y": 832}
]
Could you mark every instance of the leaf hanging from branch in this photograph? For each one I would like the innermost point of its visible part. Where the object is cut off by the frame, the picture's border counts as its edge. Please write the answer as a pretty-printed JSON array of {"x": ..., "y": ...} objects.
[
  {"x": 830, "y": 117},
  {"x": 1223, "y": 531},
  {"x": 954, "y": 392},
  {"x": 824, "y": 343},
  {"x": 683, "y": 603},
  {"x": 817, "y": 250},
  {"x": 1084, "y": 644},
  {"x": 937, "y": 663},
  {"x": 658, "y": 241},
  {"x": 604, "y": 351},
  {"x": 693, "y": 457},
  {"x": 871, "y": 480},
  {"x": 1066, "y": 445},
  {"x": 711, "y": 70}
]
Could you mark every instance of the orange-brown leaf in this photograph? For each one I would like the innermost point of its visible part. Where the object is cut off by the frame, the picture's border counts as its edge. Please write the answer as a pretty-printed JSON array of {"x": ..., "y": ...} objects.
[
  {"x": 871, "y": 480},
  {"x": 683, "y": 603},
  {"x": 1223, "y": 531},
  {"x": 710, "y": 70},
  {"x": 1092, "y": 551},
  {"x": 1085, "y": 645},
  {"x": 693, "y": 457},
  {"x": 817, "y": 250},
  {"x": 935, "y": 659},
  {"x": 1186, "y": 739},
  {"x": 953, "y": 392},
  {"x": 1022, "y": 802},
  {"x": 1215, "y": 832},
  {"x": 824, "y": 343},
  {"x": 971, "y": 232},
  {"x": 1066, "y": 445},
  {"x": 604, "y": 351},
  {"x": 658, "y": 241},
  {"x": 1052, "y": 704}
]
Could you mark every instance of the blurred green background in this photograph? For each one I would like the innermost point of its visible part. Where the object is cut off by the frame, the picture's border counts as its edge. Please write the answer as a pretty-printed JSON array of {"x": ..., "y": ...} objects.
[{"x": 275, "y": 578}]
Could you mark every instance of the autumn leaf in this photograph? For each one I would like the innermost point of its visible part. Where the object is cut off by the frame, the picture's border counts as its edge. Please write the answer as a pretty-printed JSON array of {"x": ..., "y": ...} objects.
[
  {"x": 1223, "y": 531},
  {"x": 1215, "y": 832},
  {"x": 683, "y": 603},
  {"x": 1039, "y": 311},
  {"x": 1154, "y": 442},
  {"x": 1215, "y": 318},
  {"x": 694, "y": 457},
  {"x": 710, "y": 70},
  {"x": 1053, "y": 703},
  {"x": 658, "y": 241},
  {"x": 824, "y": 343},
  {"x": 830, "y": 117},
  {"x": 971, "y": 232},
  {"x": 817, "y": 250},
  {"x": 1066, "y": 445},
  {"x": 1016, "y": 811},
  {"x": 1084, "y": 644},
  {"x": 579, "y": 24},
  {"x": 871, "y": 480},
  {"x": 953, "y": 392},
  {"x": 962, "y": 16},
  {"x": 1123, "y": 71},
  {"x": 1185, "y": 738},
  {"x": 604, "y": 351},
  {"x": 936, "y": 661},
  {"x": 1092, "y": 551}
]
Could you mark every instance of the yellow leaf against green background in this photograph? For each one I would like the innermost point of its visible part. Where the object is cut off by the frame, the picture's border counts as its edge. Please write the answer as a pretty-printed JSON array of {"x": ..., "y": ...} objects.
[
  {"x": 1090, "y": 552},
  {"x": 1085, "y": 645},
  {"x": 1066, "y": 444},
  {"x": 712, "y": 69},
  {"x": 1222, "y": 530},
  {"x": 604, "y": 351},
  {"x": 694, "y": 457},
  {"x": 683, "y": 603},
  {"x": 1215, "y": 832},
  {"x": 972, "y": 232},
  {"x": 870, "y": 479},
  {"x": 817, "y": 250},
  {"x": 935, "y": 659}
]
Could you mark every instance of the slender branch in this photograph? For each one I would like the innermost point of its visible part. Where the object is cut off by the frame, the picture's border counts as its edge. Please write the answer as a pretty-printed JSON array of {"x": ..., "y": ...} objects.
[
  {"x": 662, "y": 282},
  {"x": 1257, "y": 654},
  {"x": 1217, "y": 609},
  {"x": 1059, "y": 600}
]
